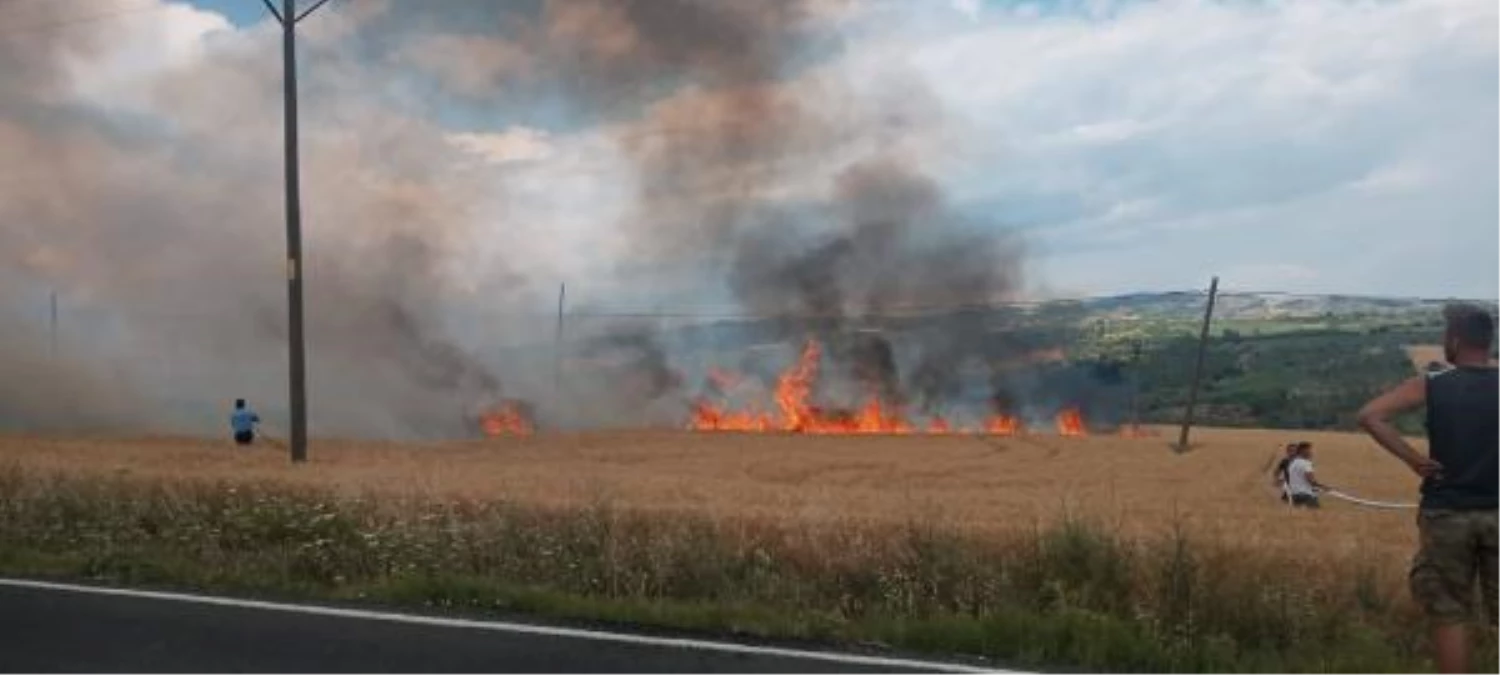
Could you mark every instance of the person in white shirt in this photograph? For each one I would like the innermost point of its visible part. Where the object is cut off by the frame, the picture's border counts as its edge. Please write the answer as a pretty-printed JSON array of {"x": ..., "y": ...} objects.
[{"x": 1301, "y": 483}]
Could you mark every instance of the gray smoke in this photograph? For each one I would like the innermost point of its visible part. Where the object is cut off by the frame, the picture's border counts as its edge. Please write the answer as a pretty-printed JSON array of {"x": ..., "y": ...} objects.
[
  {"x": 46, "y": 394},
  {"x": 642, "y": 370},
  {"x": 706, "y": 159},
  {"x": 898, "y": 249},
  {"x": 711, "y": 162},
  {"x": 176, "y": 230},
  {"x": 162, "y": 208},
  {"x": 710, "y": 167}
]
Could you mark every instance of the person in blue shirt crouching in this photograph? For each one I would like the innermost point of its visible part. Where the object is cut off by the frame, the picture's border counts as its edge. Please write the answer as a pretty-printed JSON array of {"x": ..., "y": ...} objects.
[{"x": 242, "y": 421}]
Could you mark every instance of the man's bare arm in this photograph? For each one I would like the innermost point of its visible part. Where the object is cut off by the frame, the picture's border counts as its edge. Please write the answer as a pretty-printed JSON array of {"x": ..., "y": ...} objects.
[{"x": 1376, "y": 416}]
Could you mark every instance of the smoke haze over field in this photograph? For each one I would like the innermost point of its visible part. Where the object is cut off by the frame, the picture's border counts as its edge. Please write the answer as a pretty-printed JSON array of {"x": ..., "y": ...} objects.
[
  {"x": 841, "y": 158},
  {"x": 171, "y": 220},
  {"x": 166, "y": 211}
]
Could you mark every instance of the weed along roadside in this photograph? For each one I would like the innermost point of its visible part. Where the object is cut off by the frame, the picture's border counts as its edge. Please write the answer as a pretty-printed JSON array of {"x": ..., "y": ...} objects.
[{"x": 1067, "y": 594}]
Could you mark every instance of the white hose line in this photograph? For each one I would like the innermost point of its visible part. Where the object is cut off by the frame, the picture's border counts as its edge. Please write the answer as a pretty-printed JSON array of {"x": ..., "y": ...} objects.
[
  {"x": 1286, "y": 496},
  {"x": 1369, "y": 502}
]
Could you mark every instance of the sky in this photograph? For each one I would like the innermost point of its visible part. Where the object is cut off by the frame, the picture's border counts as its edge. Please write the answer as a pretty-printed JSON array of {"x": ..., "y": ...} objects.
[
  {"x": 1345, "y": 147},
  {"x": 1317, "y": 146}
]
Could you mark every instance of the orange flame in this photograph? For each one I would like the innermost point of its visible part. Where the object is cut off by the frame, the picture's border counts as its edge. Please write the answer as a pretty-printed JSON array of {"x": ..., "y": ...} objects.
[
  {"x": 1002, "y": 425},
  {"x": 792, "y": 396},
  {"x": 505, "y": 420},
  {"x": 1070, "y": 423},
  {"x": 709, "y": 418},
  {"x": 795, "y": 385}
]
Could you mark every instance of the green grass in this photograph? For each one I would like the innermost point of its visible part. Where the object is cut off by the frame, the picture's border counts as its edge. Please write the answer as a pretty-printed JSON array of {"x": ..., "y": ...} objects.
[{"x": 1069, "y": 594}]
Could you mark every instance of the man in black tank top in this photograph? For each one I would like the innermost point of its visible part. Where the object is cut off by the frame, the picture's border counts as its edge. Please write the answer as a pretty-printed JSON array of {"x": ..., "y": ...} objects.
[{"x": 1457, "y": 520}]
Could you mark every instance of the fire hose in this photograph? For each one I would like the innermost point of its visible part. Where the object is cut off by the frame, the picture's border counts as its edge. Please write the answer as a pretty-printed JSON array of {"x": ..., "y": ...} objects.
[
  {"x": 1361, "y": 501},
  {"x": 1368, "y": 502}
]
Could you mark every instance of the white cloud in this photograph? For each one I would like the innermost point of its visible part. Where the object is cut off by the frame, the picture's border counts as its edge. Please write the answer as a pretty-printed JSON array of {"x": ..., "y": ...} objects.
[
  {"x": 1348, "y": 128},
  {"x": 1271, "y": 276},
  {"x": 1394, "y": 178},
  {"x": 517, "y": 144},
  {"x": 140, "y": 45}
]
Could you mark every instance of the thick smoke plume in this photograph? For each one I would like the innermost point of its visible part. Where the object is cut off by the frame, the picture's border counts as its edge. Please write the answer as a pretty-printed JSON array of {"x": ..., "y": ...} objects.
[
  {"x": 711, "y": 162},
  {"x": 706, "y": 156},
  {"x": 897, "y": 249},
  {"x": 645, "y": 371},
  {"x": 157, "y": 200}
]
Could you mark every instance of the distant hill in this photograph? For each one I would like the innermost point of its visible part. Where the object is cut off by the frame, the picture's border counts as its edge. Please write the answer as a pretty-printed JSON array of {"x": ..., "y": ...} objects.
[{"x": 1269, "y": 306}]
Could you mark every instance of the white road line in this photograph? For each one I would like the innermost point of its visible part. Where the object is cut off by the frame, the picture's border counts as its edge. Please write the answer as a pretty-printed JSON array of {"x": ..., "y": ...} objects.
[{"x": 508, "y": 627}]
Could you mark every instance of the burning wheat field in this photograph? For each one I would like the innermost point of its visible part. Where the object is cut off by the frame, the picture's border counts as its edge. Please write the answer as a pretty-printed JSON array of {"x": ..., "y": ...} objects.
[{"x": 789, "y": 404}]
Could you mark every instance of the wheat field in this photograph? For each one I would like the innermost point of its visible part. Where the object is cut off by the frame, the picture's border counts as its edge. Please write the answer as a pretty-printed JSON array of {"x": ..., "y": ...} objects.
[
  {"x": 1218, "y": 491},
  {"x": 1421, "y": 355}
]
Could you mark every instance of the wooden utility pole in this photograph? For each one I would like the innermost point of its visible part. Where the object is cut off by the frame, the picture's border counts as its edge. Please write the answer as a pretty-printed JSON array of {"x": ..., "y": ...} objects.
[
  {"x": 1135, "y": 386},
  {"x": 1187, "y": 418},
  {"x": 288, "y": 17},
  {"x": 557, "y": 349},
  {"x": 53, "y": 331}
]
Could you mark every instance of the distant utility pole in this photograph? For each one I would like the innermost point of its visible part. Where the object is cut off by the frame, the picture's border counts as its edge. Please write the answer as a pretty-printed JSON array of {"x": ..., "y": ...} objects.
[
  {"x": 288, "y": 18},
  {"x": 562, "y": 295},
  {"x": 1135, "y": 385},
  {"x": 53, "y": 333},
  {"x": 1187, "y": 418}
]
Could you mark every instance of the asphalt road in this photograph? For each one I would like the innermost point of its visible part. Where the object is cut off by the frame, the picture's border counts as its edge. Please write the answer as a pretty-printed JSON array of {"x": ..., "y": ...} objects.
[{"x": 77, "y": 629}]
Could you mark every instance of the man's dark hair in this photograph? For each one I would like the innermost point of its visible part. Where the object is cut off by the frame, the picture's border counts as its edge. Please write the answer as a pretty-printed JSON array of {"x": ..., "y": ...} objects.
[
  {"x": 239, "y": 403},
  {"x": 1471, "y": 324}
]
